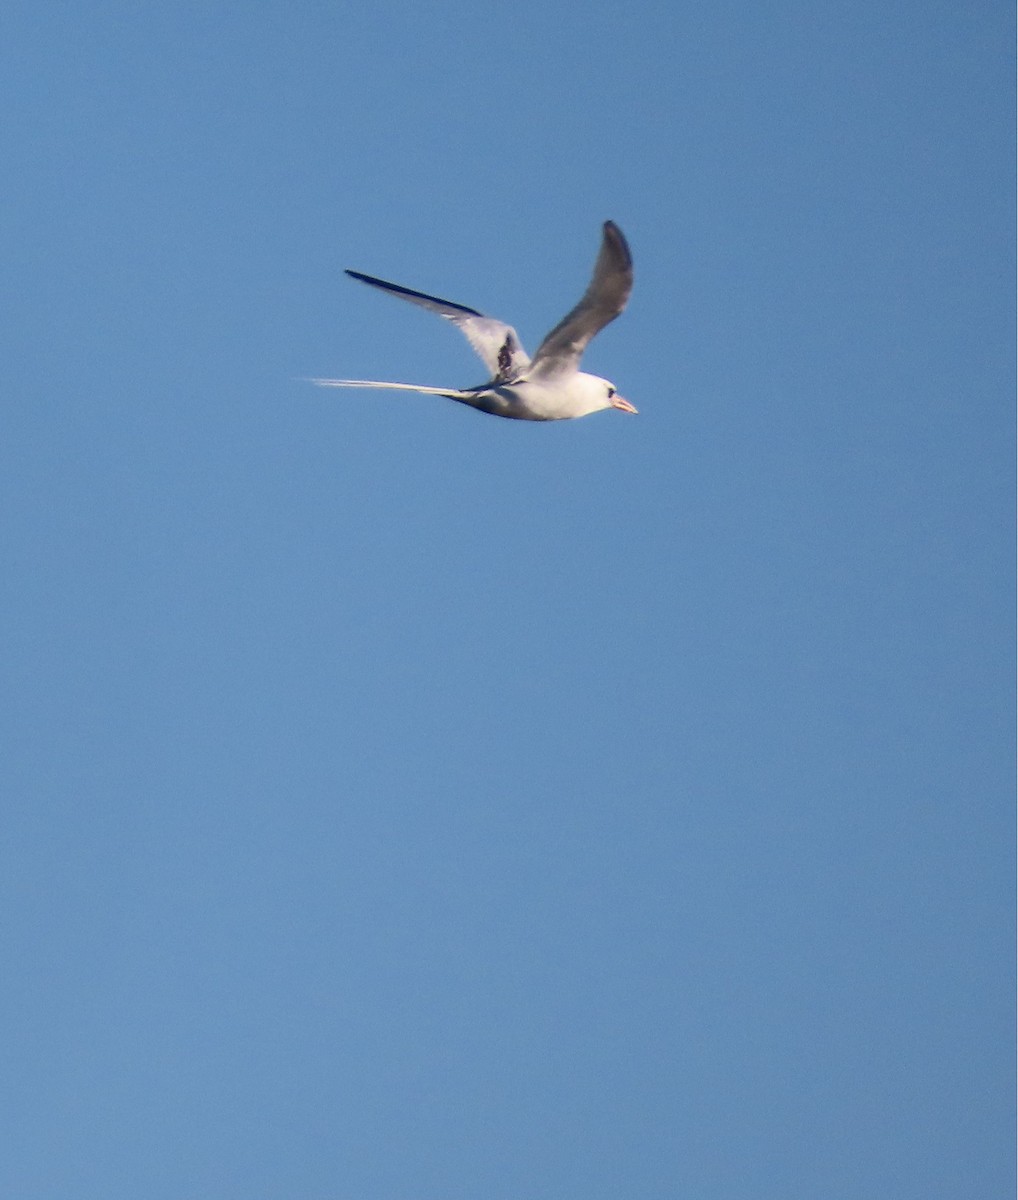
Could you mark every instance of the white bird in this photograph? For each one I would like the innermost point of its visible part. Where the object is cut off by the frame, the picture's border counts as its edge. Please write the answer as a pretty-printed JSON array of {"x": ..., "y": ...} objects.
[{"x": 549, "y": 387}]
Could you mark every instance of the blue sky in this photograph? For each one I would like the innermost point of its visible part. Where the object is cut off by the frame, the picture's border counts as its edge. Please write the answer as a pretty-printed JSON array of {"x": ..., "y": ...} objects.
[{"x": 403, "y": 802}]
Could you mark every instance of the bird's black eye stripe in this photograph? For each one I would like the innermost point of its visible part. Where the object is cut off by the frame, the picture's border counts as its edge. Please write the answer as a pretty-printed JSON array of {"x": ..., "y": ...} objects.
[{"x": 611, "y": 392}]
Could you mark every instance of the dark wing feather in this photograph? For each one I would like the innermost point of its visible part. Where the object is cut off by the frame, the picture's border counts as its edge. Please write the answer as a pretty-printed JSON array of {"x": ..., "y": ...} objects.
[
  {"x": 494, "y": 341},
  {"x": 602, "y": 302}
]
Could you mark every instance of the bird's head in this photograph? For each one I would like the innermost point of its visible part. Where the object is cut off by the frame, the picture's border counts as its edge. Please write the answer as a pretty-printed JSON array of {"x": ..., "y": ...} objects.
[{"x": 604, "y": 395}]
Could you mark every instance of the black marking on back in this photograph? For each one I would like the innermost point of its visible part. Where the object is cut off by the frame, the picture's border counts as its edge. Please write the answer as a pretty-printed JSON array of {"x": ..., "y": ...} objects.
[{"x": 505, "y": 358}]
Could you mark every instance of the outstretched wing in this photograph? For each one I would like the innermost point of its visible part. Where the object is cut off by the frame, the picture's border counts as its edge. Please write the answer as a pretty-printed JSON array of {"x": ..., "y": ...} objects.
[
  {"x": 495, "y": 342},
  {"x": 602, "y": 302}
]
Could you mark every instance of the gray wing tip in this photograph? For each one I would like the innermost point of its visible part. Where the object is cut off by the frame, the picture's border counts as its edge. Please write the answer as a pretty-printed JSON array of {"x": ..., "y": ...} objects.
[
  {"x": 397, "y": 289},
  {"x": 614, "y": 237}
]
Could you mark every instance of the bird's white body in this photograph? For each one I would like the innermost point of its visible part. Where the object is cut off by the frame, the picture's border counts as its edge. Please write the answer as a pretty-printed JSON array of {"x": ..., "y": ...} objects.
[
  {"x": 548, "y": 399},
  {"x": 523, "y": 400},
  {"x": 549, "y": 388}
]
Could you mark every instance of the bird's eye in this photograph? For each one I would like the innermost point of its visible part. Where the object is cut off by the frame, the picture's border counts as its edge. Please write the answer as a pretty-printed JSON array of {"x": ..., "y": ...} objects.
[{"x": 611, "y": 392}]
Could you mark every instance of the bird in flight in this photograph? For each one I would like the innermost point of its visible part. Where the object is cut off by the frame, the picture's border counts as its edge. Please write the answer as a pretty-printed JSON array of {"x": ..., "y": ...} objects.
[{"x": 550, "y": 386}]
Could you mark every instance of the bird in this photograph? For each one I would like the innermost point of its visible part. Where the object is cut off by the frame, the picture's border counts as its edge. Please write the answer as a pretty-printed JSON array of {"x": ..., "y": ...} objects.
[{"x": 548, "y": 387}]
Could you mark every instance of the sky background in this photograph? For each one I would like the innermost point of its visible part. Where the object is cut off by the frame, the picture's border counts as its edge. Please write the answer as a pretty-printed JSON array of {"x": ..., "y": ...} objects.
[{"x": 401, "y": 802}]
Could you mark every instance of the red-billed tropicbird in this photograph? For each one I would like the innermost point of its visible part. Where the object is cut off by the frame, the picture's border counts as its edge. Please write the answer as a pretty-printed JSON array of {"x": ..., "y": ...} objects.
[{"x": 549, "y": 387}]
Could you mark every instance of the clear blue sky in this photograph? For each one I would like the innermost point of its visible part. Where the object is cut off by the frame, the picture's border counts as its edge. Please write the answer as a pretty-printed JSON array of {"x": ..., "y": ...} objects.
[{"x": 400, "y": 802}]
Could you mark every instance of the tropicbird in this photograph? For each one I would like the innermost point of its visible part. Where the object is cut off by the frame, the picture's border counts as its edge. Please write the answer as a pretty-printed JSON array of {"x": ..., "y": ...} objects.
[{"x": 550, "y": 386}]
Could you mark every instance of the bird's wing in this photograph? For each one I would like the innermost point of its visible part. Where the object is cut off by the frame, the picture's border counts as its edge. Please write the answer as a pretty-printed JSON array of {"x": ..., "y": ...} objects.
[
  {"x": 602, "y": 302},
  {"x": 495, "y": 342}
]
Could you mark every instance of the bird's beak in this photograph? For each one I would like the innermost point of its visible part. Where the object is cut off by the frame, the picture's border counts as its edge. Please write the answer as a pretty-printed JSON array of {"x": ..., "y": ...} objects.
[{"x": 624, "y": 405}]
